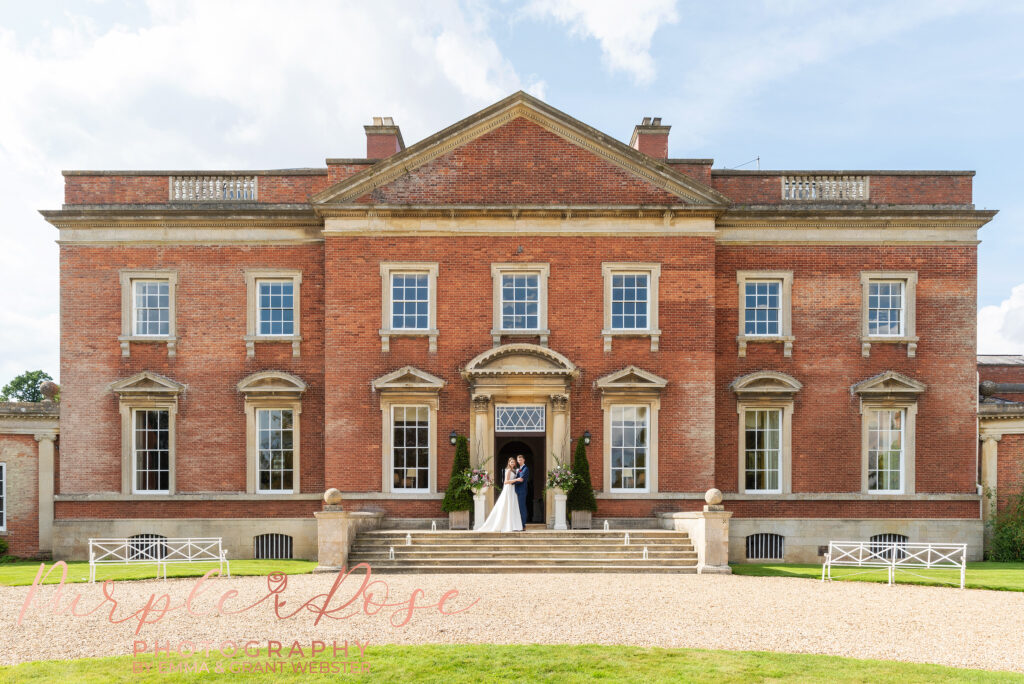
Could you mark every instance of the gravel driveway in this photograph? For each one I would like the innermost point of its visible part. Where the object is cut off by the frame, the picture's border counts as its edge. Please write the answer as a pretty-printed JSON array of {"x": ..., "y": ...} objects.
[{"x": 972, "y": 628}]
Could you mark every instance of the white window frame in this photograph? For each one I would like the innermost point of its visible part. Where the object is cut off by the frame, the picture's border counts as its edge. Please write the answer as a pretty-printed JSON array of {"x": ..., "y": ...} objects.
[
  {"x": 782, "y": 451},
  {"x": 260, "y": 282},
  {"x": 907, "y": 458},
  {"x": 253, "y": 278},
  {"x": 498, "y": 271},
  {"x": 653, "y": 272},
  {"x": 295, "y": 437},
  {"x": 543, "y": 414},
  {"x": 869, "y": 415},
  {"x": 785, "y": 334},
  {"x": 649, "y": 469},
  {"x": 134, "y": 454},
  {"x": 908, "y": 334},
  {"x": 135, "y": 306},
  {"x": 431, "y": 440},
  {"x": 3, "y": 497},
  {"x": 389, "y": 268},
  {"x": 128, "y": 336},
  {"x": 902, "y": 309}
]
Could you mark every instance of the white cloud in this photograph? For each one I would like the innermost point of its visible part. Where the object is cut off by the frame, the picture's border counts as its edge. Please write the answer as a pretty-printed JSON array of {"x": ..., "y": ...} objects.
[
  {"x": 253, "y": 84},
  {"x": 624, "y": 30},
  {"x": 1001, "y": 327}
]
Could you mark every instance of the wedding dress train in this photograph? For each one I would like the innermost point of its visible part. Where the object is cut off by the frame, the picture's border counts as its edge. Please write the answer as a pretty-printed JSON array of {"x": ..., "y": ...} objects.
[{"x": 504, "y": 516}]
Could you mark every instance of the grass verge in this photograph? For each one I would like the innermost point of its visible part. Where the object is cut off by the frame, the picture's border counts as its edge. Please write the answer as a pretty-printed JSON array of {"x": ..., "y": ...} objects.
[
  {"x": 22, "y": 573},
  {"x": 982, "y": 575},
  {"x": 529, "y": 663}
]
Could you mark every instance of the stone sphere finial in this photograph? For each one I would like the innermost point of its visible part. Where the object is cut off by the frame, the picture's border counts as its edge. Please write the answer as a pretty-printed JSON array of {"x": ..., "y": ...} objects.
[
  {"x": 987, "y": 388},
  {"x": 49, "y": 389},
  {"x": 713, "y": 497},
  {"x": 332, "y": 497}
]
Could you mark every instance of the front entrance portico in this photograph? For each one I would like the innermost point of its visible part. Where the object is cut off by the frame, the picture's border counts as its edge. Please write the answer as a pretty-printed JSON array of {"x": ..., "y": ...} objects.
[{"x": 522, "y": 375}]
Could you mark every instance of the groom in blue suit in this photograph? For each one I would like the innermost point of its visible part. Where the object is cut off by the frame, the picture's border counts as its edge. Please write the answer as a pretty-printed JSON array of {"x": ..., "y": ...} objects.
[{"x": 522, "y": 480}]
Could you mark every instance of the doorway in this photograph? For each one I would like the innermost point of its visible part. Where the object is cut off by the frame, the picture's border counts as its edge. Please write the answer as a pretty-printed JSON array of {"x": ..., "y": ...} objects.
[{"x": 531, "y": 446}]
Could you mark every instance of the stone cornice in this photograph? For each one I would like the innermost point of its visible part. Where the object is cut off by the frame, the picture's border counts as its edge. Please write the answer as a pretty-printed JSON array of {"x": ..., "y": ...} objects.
[
  {"x": 785, "y": 216},
  {"x": 818, "y": 172},
  {"x": 517, "y": 211},
  {"x": 522, "y": 105}
]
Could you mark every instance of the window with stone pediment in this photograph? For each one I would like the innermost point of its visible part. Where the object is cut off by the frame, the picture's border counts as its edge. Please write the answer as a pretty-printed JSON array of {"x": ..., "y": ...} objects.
[{"x": 151, "y": 450}]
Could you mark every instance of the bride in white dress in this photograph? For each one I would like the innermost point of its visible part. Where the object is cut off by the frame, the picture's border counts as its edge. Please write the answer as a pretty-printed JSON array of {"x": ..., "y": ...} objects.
[{"x": 505, "y": 516}]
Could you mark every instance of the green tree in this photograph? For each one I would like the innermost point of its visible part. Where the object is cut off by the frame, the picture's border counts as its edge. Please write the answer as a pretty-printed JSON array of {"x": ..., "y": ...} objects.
[
  {"x": 458, "y": 496},
  {"x": 1007, "y": 542},
  {"x": 581, "y": 496},
  {"x": 25, "y": 387}
]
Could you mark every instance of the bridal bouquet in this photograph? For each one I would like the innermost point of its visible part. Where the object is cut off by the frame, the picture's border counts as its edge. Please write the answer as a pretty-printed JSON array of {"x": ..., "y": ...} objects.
[
  {"x": 479, "y": 480},
  {"x": 561, "y": 477}
]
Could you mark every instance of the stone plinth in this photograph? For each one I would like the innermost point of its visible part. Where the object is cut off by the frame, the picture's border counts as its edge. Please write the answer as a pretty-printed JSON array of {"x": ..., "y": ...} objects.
[
  {"x": 336, "y": 529},
  {"x": 708, "y": 530}
]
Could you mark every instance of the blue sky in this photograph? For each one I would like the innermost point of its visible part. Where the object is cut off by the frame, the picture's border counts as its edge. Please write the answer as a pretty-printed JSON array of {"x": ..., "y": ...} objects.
[{"x": 260, "y": 84}]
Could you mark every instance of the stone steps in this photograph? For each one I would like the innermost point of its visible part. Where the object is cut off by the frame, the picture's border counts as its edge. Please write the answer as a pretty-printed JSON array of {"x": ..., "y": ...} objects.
[{"x": 452, "y": 551}]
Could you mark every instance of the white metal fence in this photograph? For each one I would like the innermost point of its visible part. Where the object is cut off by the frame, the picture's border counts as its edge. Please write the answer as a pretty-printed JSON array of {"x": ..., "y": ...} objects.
[
  {"x": 212, "y": 188},
  {"x": 895, "y": 555},
  {"x": 825, "y": 188},
  {"x": 153, "y": 548}
]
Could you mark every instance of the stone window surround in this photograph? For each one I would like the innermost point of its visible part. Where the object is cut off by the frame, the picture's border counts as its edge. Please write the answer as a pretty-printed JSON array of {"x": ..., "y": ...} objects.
[
  {"x": 542, "y": 270},
  {"x": 387, "y": 268},
  {"x": 907, "y": 463},
  {"x": 785, "y": 405},
  {"x": 653, "y": 404},
  {"x": 388, "y": 401},
  {"x": 271, "y": 390},
  {"x": 785, "y": 335},
  {"x": 252, "y": 314},
  {"x": 909, "y": 336},
  {"x": 653, "y": 271},
  {"x": 128, "y": 405},
  {"x": 128, "y": 335},
  {"x": 253, "y": 405}
]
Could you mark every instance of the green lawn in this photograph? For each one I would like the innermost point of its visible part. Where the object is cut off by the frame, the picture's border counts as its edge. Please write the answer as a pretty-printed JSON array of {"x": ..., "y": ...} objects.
[
  {"x": 24, "y": 572},
  {"x": 987, "y": 575},
  {"x": 561, "y": 664}
]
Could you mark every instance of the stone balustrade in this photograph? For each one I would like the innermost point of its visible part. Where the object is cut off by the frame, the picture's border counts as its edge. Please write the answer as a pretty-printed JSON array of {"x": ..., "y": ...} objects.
[
  {"x": 212, "y": 188},
  {"x": 825, "y": 188}
]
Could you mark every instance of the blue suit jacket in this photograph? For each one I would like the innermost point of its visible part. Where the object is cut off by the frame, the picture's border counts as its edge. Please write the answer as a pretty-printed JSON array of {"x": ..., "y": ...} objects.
[{"x": 524, "y": 473}]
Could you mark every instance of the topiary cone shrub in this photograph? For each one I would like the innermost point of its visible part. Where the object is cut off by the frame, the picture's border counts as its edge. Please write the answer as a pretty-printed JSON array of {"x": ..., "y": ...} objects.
[
  {"x": 581, "y": 496},
  {"x": 458, "y": 496}
]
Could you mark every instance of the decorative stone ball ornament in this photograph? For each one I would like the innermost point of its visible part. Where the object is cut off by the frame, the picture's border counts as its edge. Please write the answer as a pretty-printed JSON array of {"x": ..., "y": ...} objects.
[
  {"x": 713, "y": 497},
  {"x": 49, "y": 390},
  {"x": 332, "y": 497}
]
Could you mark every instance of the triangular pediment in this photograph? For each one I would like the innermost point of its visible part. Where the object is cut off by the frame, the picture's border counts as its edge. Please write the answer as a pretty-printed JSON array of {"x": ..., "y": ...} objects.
[
  {"x": 520, "y": 359},
  {"x": 771, "y": 383},
  {"x": 146, "y": 383},
  {"x": 631, "y": 378},
  {"x": 520, "y": 151},
  {"x": 408, "y": 378},
  {"x": 272, "y": 382},
  {"x": 889, "y": 382}
]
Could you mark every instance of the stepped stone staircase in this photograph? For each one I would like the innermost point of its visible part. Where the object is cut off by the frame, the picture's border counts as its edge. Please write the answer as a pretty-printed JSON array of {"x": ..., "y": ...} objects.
[{"x": 445, "y": 551}]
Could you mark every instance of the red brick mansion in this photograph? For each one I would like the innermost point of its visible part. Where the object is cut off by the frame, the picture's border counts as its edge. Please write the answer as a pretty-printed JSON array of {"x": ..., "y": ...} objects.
[{"x": 235, "y": 342}]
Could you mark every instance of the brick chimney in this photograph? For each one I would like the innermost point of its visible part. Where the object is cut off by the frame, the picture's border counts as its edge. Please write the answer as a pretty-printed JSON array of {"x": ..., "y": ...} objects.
[
  {"x": 651, "y": 138},
  {"x": 383, "y": 138}
]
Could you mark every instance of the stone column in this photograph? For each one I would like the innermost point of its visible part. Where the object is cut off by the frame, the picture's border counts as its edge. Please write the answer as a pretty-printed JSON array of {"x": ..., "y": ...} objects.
[
  {"x": 46, "y": 440},
  {"x": 479, "y": 510},
  {"x": 482, "y": 443},
  {"x": 559, "y": 448},
  {"x": 989, "y": 473}
]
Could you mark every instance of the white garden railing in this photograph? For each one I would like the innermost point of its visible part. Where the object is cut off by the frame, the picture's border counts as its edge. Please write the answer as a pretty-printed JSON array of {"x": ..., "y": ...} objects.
[
  {"x": 895, "y": 555},
  {"x": 156, "y": 550},
  {"x": 212, "y": 188},
  {"x": 825, "y": 188}
]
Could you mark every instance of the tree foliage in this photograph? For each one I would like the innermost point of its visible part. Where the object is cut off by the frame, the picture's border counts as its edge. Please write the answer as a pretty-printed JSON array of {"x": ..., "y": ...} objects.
[
  {"x": 581, "y": 496},
  {"x": 458, "y": 496},
  {"x": 25, "y": 387},
  {"x": 1007, "y": 529}
]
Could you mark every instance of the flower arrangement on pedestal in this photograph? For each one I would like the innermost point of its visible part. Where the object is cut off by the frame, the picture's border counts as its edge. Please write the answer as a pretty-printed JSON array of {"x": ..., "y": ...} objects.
[
  {"x": 479, "y": 480},
  {"x": 560, "y": 477}
]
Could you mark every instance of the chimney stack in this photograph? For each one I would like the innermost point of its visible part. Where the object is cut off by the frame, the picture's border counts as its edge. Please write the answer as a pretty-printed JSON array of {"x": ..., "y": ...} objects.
[
  {"x": 383, "y": 138},
  {"x": 651, "y": 138}
]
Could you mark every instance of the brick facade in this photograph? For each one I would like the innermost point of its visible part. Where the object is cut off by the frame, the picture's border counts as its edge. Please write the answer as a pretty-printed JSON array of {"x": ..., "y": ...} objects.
[{"x": 533, "y": 186}]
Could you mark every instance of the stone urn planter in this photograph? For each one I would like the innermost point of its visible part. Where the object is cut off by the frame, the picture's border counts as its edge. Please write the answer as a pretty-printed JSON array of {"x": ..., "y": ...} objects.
[
  {"x": 479, "y": 506},
  {"x": 458, "y": 520},
  {"x": 560, "y": 522},
  {"x": 581, "y": 520}
]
